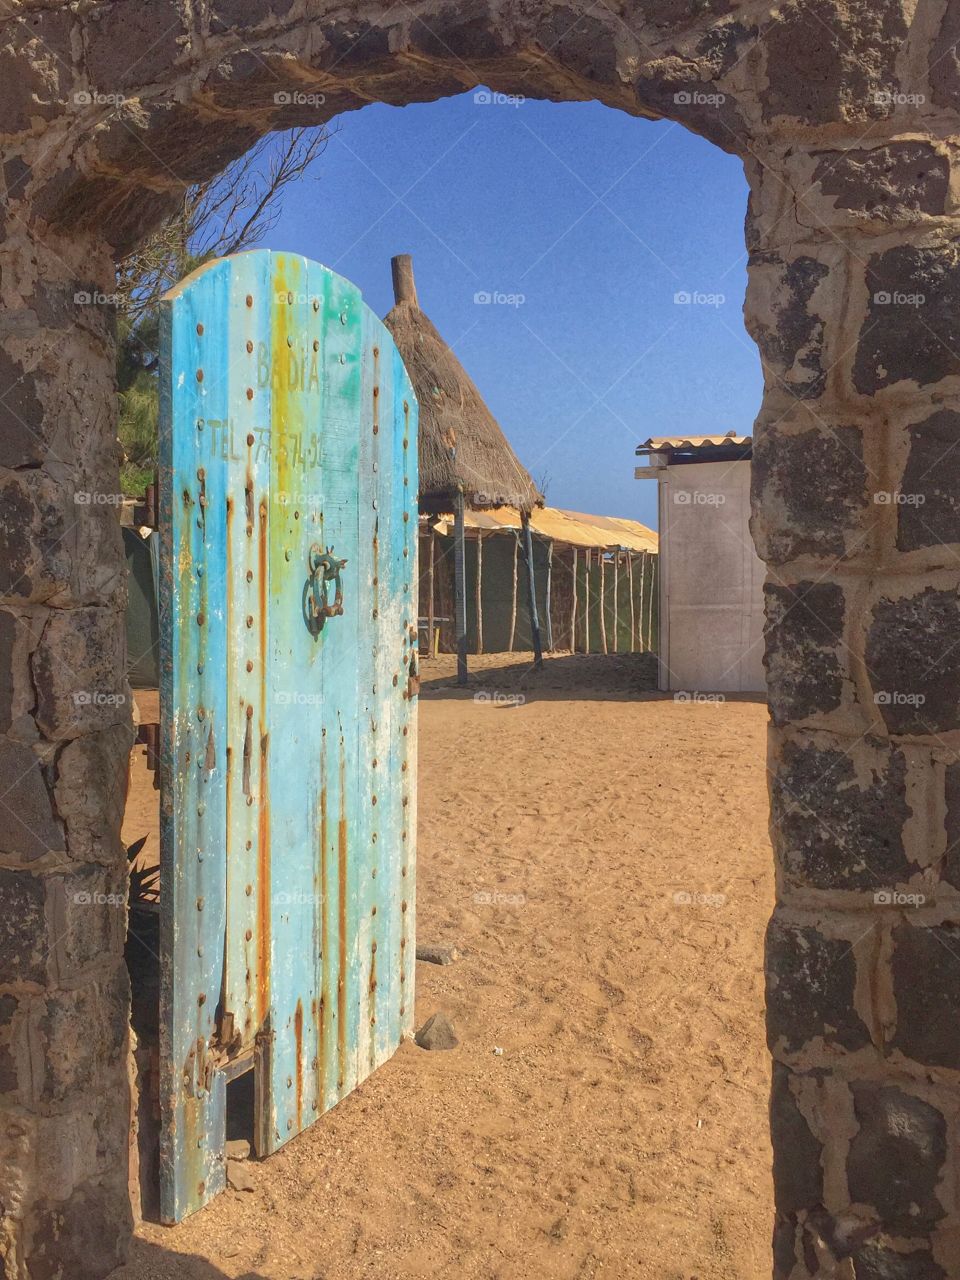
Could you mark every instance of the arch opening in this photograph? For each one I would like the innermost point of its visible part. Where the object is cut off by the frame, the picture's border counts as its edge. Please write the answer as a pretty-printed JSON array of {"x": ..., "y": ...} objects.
[{"x": 846, "y": 117}]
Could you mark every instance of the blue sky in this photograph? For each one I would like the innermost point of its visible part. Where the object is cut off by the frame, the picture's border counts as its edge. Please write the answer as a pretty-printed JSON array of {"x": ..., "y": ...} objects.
[{"x": 583, "y": 224}]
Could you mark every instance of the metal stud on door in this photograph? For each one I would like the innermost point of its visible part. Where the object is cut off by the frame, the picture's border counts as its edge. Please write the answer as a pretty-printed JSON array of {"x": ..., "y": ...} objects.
[{"x": 288, "y": 761}]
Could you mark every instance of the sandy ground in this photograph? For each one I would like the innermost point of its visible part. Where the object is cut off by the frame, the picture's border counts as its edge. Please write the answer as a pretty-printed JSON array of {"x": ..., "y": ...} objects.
[{"x": 600, "y": 857}]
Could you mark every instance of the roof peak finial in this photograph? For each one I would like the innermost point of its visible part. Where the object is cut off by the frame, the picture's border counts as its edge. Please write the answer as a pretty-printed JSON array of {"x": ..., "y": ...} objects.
[{"x": 404, "y": 288}]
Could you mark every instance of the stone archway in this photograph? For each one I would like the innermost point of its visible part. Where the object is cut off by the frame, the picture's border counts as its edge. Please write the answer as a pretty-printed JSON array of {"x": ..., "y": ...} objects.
[{"x": 846, "y": 115}]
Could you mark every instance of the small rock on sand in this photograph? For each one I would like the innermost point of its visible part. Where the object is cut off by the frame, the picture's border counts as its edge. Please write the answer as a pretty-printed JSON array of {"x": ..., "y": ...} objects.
[
  {"x": 239, "y": 1175},
  {"x": 238, "y": 1149},
  {"x": 437, "y": 1033},
  {"x": 437, "y": 955}
]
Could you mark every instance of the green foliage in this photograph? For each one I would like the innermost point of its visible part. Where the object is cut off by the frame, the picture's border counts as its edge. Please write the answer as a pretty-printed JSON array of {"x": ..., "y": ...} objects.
[
  {"x": 144, "y": 881},
  {"x": 139, "y": 401}
]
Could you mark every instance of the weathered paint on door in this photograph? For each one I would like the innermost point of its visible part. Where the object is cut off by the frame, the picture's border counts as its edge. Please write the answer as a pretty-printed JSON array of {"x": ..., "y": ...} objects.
[{"x": 288, "y": 446}]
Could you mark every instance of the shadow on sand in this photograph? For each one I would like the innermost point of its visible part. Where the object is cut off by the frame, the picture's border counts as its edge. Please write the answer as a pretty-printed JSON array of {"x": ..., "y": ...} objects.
[
  {"x": 149, "y": 1261},
  {"x": 578, "y": 677}
]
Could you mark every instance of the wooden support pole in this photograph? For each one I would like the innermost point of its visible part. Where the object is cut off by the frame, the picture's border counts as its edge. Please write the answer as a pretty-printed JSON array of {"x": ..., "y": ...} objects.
[
  {"x": 459, "y": 588},
  {"x": 586, "y": 601},
  {"x": 532, "y": 591},
  {"x": 643, "y": 633},
  {"x": 573, "y": 610},
  {"x": 548, "y": 620},
  {"x": 479, "y": 591},
  {"x": 633, "y": 612},
  {"x": 648, "y": 587},
  {"x": 616, "y": 602},
  {"x": 603, "y": 600},
  {"x": 431, "y": 607},
  {"x": 513, "y": 593}
]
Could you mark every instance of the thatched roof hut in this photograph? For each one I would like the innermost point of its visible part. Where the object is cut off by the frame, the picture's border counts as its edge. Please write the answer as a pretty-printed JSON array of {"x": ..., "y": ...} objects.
[{"x": 462, "y": 448}]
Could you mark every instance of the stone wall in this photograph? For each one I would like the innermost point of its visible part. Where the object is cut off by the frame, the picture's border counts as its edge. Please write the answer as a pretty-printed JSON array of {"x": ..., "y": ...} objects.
[{"x": 846, "y": 115}]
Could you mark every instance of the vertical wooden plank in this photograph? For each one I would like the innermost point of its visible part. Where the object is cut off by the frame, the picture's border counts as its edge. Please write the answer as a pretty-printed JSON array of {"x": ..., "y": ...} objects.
[
  {"x": 532, "y": 591},
  {"x": 643, "y": 633},
  {"x": 403, "y": 742},
  {"x": 633, "y": 615},
  {"x": 513, "y": 593},
  {"x": 573, "y": 611},
  {"x": 460, "y": 588},
  {"x": 194, "y": 395},
  {"x": 548, "y": 603},
  {"x": 616, "y": 602},
  {"x": 653, "y": 564},
  {"x": 431, "y": 624},
  {"x": 246, "y": 436},
  {"x": 603, "y": 599},
  {"x": 586, "y": 599},
  {"x": 479, "y": 591}
]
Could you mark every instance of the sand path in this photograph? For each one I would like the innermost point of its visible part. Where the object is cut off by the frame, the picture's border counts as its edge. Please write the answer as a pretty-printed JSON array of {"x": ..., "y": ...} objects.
[{"x": 602, "y": 861}]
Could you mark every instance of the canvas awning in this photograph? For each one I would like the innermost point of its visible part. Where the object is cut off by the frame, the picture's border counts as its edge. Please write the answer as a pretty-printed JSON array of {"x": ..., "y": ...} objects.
[{"x": 574, "y": 528}]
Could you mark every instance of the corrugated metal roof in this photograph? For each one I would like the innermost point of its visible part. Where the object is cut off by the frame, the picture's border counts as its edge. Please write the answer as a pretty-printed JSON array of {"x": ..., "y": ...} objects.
[
  {"x": 572, "y": 527},
  {"x": 658, "y": 443}
]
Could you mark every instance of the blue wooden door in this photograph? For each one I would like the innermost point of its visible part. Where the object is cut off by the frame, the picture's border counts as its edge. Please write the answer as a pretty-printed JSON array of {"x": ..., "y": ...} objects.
[{"x": 288, "y": 682}]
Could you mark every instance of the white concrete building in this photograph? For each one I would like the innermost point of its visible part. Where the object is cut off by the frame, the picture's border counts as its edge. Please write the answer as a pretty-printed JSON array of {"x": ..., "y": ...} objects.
[{"x": 711, "y": 578}]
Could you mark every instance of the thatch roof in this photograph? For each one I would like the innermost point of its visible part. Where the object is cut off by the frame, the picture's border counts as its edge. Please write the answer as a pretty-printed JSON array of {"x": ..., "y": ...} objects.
[{"x": 462, "y": 448}]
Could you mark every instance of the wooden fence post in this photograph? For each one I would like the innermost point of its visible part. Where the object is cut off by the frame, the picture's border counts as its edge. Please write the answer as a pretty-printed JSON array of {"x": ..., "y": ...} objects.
[
  {"x": 573, "y": 611},
  {"x": 479, "y": 591},
  {"x": 459, "y": 588}
]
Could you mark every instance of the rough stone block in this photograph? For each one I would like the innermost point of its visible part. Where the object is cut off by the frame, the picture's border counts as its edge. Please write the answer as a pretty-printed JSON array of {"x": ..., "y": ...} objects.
[
  {"x": 786, "y": 314},
  {"x": 17, "y": 1168},
  {"x": 896, "y": 1156},
  {"x": 192, "y": 147},
  {"x": 9, "y": 644},
  {"x": 23, "y": 930},
  {"x": 828, "y": 60},
  {"x": 887, "y": 184},
  {"x": 84, "y": 1237},
  {"x": 19, "y": 632},
  {"x": 804, "y": 643},
  {"x": 911, "y": 331},
  {"x": 809, "y": 492},
  {"x": 837, "y": 814},
  {"x": 913, "y": 661},
  {"x": 928, "y": 508},
  {"x": 88, "y": 912},
  {"x": 22, "y": 442},
  {"x": 875, "y": 1261},
  {"x": 229, "y": 15},
  {"x": 9, "y": 1072},
  {"x": 35, "y": 68},
  {"x": 810, "y": 990},
  {"x": 90, "y": 793},
  {"x": 81, "y": 1035},
  {"x": 28, "y": 827},
  {"x": 950, "y": 867},
  {"x": 78, "y": 673},
  {"x": 943, "y": 60},
  {"x": 67, "y": 1150},
  {"x": 34, "y": 550},
  {"x": 926, "y": 984},
  {"x": 797, "y": 1153},
  {"x": 127, "y": 47}
]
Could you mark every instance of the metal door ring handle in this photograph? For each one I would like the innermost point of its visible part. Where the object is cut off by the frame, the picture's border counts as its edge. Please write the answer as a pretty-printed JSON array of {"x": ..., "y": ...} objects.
[{"x": 323, "y": 567}]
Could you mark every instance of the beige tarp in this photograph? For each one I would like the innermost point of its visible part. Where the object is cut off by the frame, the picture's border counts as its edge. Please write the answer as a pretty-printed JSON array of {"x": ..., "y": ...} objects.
[{"x": 572, "y": 527}]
